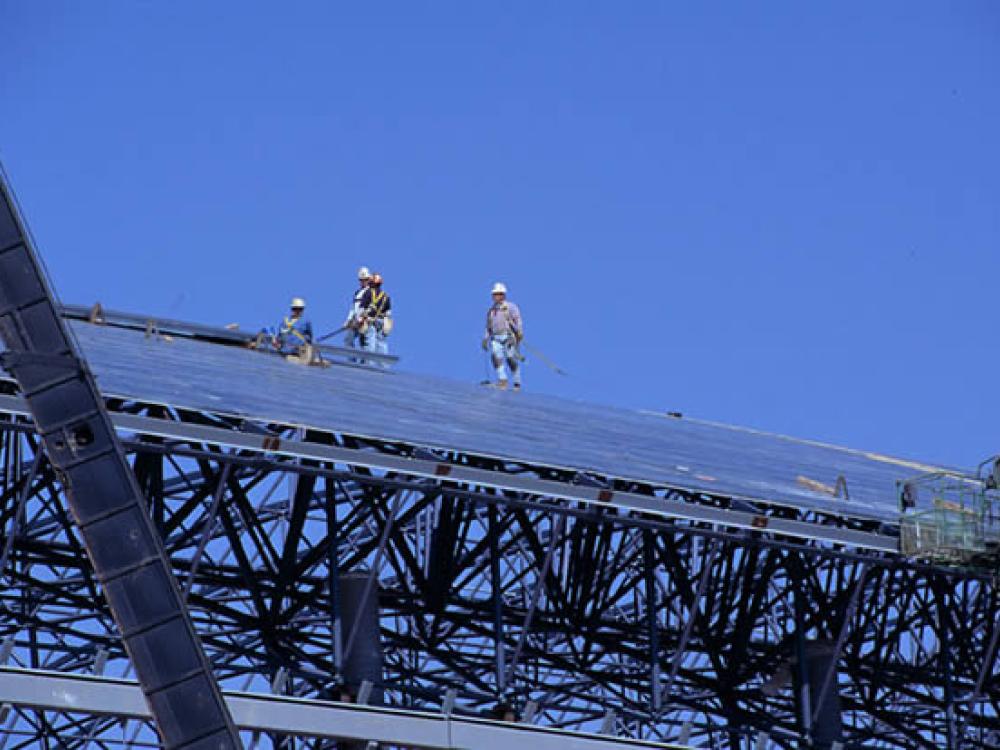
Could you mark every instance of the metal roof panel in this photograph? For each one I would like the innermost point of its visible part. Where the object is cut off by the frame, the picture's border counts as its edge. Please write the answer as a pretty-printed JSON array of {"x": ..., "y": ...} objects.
[{"x": 527, "y": 427}]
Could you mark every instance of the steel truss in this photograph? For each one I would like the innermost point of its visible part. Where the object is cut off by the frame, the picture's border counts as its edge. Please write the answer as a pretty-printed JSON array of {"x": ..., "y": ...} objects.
[{"x": 579, "y": 615}]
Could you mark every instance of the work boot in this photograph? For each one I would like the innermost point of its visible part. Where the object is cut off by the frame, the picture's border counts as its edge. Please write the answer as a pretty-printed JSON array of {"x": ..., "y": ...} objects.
[
  {"x": 517, "y": 386},
  {"x": 502, "y": 385}
]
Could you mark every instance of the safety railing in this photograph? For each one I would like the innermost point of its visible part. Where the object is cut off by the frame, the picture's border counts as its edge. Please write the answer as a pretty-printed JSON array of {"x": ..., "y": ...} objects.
[{"x": 950, "y": 518}]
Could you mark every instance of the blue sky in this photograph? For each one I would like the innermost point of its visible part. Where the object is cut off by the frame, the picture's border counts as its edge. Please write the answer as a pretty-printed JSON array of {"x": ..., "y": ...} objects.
[{"x": 782, "y": 214}]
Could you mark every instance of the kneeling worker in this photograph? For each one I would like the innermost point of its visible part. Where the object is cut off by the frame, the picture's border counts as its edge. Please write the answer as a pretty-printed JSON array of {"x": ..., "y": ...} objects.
[
  {"x": 376, "y": 316},
  {"x": 295, "y": 334},
  {"x": 504, "y": 331}
]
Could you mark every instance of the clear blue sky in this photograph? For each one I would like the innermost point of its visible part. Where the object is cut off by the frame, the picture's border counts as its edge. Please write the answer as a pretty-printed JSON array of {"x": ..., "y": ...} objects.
[{"x": 784, "y": 215}]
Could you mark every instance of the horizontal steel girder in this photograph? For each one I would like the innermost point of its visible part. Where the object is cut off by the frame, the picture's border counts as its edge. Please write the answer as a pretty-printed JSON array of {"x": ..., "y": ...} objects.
[
  {"x": 440, "y": 471},
  {"x": 53, "y": 691}
]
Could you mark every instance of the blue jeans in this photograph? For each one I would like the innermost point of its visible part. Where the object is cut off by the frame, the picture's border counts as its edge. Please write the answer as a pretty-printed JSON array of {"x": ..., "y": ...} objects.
[
  {"x": 503, "y": 352},
  {"x": 375, "y": 341},
  {"x": 354, "y": 340}
]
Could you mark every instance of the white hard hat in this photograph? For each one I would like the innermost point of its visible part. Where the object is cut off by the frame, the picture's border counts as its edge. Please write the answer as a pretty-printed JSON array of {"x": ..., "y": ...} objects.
[
  {"x": 499, "y": 288},
  {"x": 298, "y": 302},
  {"x": 363, "y": 273}
]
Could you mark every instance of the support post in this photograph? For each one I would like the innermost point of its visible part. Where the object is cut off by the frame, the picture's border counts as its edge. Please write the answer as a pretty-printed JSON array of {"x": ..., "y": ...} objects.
[
  {"x": 944, "y": 658},
  {"x": 648, "y": 540},
  {"x": 825, "y": 719},
  {"x": 333, "y": 566},
  {"x": 364, "y": 660},
  {"x": 497, "y": 591}
]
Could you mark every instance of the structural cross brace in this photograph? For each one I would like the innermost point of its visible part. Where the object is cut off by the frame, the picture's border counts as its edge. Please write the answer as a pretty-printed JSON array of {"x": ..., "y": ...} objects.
[{"x": 121, "y": 541}]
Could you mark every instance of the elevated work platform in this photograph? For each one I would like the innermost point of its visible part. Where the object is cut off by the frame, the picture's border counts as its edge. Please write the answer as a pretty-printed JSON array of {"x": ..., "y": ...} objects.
[
  {"x": 952, "y": 519},
  {"x": 642, "y": 446}
]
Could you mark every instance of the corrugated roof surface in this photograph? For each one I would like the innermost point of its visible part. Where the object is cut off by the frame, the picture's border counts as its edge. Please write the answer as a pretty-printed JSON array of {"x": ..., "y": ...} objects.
[{"x": 540, "y": 429}]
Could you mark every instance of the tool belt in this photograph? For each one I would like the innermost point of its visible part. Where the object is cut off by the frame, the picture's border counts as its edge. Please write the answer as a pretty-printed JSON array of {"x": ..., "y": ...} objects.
[
  {"x": 504, "y": 338},
  {"x": 376, "y": 314},
  {"x": 381, "y": 323}
]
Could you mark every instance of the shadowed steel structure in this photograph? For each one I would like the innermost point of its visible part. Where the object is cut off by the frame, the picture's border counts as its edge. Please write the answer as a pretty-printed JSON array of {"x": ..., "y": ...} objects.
[
  {"x": 575, "y": 567},
  {"x": 109, "y": 512}
]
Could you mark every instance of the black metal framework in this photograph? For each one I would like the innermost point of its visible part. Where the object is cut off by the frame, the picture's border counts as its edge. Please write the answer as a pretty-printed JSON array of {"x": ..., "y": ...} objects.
[
  {"x": 583, "y": 616},
  {"x": 108, "y": 509}
]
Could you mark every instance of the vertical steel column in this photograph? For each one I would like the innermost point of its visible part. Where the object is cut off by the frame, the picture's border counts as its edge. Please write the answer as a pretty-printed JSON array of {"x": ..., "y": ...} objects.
[
  {"x": 801, "y": 681},
  {"x": 363, "y": 660},
  {"x": 333, "y": 564},
  {"x": 104, "y": 498},
  {"x": 648, "y": 540},
  {"x": 945, "y": 662},
  {"x": 826, "y": 719},
  {"x": 494, "y": 534}
]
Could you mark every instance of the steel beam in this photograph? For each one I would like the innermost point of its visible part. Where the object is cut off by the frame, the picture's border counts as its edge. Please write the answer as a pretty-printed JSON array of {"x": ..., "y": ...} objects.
[
  {"x": 53, "y": 691},
  {"x": 442, "y": 471},
  {"x": 105, "y": 500}
]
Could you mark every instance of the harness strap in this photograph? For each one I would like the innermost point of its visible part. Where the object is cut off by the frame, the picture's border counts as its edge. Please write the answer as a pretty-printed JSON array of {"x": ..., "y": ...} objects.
[
  {"x": 289, "y": 327},
  {"x": 377, "y": 307},
  {"x": 505, "y": 309}
]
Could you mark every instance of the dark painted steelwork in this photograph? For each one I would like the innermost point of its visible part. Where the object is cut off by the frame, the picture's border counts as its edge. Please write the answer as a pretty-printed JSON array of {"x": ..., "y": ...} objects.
[
  {"x": 360, "y": 604},
  {"x": 121, "y": 541},
  {"x": 578, "y": 620},
  {"x": 826, "y": 715},
  {"x": 566, "y": 589}
]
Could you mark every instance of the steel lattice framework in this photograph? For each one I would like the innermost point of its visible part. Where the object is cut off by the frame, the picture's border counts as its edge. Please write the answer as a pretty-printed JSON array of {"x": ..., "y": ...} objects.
[{"x": 592, "y": 614}]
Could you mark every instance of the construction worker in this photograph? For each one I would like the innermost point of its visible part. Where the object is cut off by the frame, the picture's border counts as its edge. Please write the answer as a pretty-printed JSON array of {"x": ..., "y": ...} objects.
[
  {"x": 375, "y": 321},
  {"x": 295, "y": 332},
  {"x": 504, "y": 332},
  {"x": 352, "y": 338}
]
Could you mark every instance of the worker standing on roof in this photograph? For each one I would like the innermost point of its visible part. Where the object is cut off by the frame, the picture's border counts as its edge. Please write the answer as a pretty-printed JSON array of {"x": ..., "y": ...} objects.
[
  {"x": 504, "y": 331},
  {"x": 295, "y": 332},
  {"x": 375, "y": 322},
  {"x": 353, "y": 338}
]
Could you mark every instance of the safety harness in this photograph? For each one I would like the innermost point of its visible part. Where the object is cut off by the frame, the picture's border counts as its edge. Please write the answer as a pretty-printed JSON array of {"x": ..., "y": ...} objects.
[
  {"x": 289, "y": 327},
  {"x": 505, "y": 309},
  {"x": 376, "y": 309}
]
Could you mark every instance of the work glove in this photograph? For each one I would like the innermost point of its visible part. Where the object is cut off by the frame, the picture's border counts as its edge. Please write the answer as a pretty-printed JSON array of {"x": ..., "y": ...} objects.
[{"x": 486, "y": 343}]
